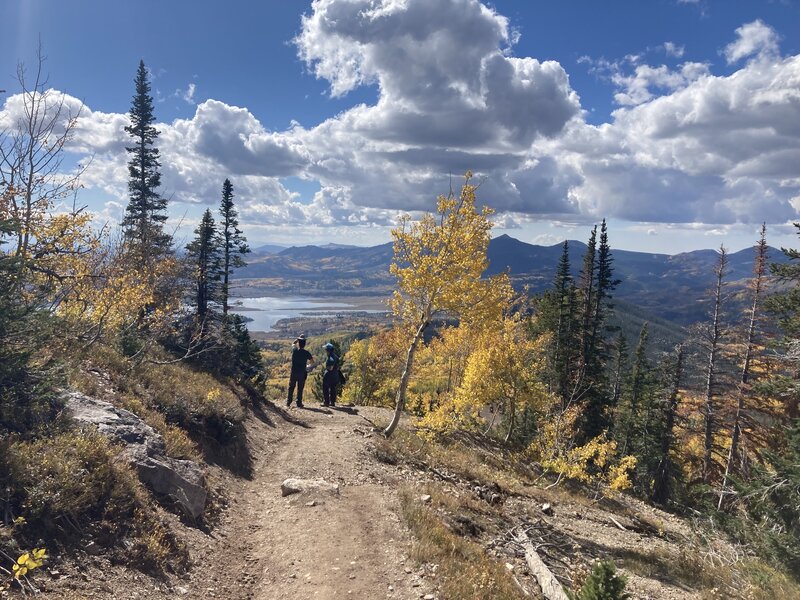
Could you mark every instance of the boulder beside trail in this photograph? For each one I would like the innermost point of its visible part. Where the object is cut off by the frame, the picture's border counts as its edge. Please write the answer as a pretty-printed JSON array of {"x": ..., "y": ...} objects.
[
  {"x": 298, "y": 486},
  {"x": 144, "y": 448}
]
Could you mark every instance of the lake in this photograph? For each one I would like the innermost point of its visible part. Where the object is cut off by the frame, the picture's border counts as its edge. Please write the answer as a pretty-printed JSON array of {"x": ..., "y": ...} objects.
[{"x": 265, "y": 311}]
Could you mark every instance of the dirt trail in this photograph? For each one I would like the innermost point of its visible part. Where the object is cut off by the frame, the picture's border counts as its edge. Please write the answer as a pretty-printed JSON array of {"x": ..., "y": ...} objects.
[
  {"x": 309, "y": 545},
  {"x": 320, "y": 546}
]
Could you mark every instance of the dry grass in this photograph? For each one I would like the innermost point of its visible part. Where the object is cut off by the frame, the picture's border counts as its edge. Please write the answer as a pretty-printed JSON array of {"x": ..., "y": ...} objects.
[
  {"x": 464, "y": 570},
  {"x": 711, "y": 572},
  {"x": 71, "y": 485},
  {"x": 459, "y": 458},
  {"x": 183, "y": 395},
  {"x": 176, "y": 441},
  {"x": 750, "y": 579}
]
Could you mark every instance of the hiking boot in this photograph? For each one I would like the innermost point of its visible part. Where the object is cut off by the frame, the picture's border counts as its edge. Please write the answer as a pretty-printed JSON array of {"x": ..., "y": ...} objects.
[
  {"x": 300, "y": 405},
  {"x": 288, "y": 403}
]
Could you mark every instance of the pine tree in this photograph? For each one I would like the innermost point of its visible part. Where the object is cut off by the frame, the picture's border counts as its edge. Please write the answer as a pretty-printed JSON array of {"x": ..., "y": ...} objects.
[
  {"x": 640, "y": 374},
  {"x": 587, "y": 289},
  {"x": 596, "y": 286},
  {"x": 603, "y": 583},
  {"x": 204, "y": 253},
  {"x": 786, "y": 307},
  {"x": 662, "y": 484},
  {"x": 621, "y": 352},
  {"x": 603, "y": 289},
  {"x": 556, "y": 315},
  {"x": 145, "y": 214},
  {"x": 234, "y": 244}
]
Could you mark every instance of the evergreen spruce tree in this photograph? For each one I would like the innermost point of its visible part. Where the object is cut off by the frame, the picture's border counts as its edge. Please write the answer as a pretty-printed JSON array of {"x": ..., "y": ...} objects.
[
  {"x": 603, "y": 583},
  {"x": 621, "y": 353},
  {"x": 556, "y": 312},
  {"x": 145, "y": 214},
  {"x": 28, "y": 390},
  {"x": 665, "y": 470},
  {"x": 596, "y": 286},
  {"x": 234, "y": 244},
  {"x": 587, "y": 289},
  {"x": 565, "y": 328},
  {"x": 628, "y": 420},
  {"x": 205, "y": 256},
  {"x": 603, "y": 290},
  {"x": 786, "y": 307},
  {"x": 772, "y": 495}
]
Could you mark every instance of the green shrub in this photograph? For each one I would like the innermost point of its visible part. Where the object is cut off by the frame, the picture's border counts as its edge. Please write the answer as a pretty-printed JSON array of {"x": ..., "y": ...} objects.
[{"x": 603, "y": 583}]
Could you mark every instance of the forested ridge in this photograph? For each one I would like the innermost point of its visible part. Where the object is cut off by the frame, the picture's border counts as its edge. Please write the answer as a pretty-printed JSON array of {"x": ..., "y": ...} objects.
[{"x": 551, "y": 389}]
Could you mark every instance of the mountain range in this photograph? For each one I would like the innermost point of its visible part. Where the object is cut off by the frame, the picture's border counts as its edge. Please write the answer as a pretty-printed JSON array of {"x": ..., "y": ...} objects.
[{"x": 672, "y": 287}]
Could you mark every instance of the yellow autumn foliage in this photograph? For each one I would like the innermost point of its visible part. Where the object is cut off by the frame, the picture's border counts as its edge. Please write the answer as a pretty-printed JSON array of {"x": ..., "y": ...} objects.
[
  {"x": 501, "y": 376},
  {"x": 594, "y": 462},
  {"x": 439, "y": 261}
]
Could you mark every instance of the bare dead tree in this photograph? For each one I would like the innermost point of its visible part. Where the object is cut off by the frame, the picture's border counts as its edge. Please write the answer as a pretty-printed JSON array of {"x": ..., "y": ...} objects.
[
  {"x": 32, "y": 152},
  {"x": 756, "y": 288},
  {"x": 714, "y": 338}
]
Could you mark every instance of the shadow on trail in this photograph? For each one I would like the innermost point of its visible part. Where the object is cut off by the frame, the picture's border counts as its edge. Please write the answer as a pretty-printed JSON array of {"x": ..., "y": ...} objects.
[
  {"x": 350, "y": 410},
  {"x": 264, "y": 410},
  {"x": 321, "y": 410}
]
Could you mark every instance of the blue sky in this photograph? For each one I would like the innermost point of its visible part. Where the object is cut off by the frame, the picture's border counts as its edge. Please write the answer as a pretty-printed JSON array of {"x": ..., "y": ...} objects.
[{"x": 676, "y": 120}]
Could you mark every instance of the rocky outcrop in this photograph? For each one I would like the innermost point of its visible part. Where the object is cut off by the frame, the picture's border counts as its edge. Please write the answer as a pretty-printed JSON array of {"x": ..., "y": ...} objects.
[
  {"x": 299, "y": 486},
  {"x": 144, "y": 448}
]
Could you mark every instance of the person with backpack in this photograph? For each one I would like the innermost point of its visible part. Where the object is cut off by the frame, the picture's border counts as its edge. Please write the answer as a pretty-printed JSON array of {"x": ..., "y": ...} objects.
[
  {"x": 302, "y": 363},
  {"x": 330, "y": 378}
]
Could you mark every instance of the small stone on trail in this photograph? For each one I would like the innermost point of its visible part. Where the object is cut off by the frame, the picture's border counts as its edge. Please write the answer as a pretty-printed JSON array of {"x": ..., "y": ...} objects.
[
  {"x": 426, "y": 498},
  {"x": 547, "y": 509},
  {"x": 509, "y": 566},
  {"x": 428, "y": 597},
  {"x": 296, "y": 486},
  {"x": 312, "y": 503}
]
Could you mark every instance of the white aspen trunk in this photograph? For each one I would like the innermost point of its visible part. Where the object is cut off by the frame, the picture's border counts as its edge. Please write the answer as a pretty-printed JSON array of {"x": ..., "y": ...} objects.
[{"x": 401, "y": 391}]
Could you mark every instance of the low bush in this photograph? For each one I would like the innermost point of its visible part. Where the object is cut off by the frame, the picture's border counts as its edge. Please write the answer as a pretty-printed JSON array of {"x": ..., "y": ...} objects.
[{"x": 70, "y": 486}]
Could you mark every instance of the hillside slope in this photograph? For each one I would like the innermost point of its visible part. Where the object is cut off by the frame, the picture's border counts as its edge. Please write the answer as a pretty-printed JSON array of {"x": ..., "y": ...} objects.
[{"x": 361, "y": 543}]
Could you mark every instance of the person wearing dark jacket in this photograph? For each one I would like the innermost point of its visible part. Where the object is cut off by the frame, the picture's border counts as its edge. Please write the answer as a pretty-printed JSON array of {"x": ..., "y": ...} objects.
[
  {"x": 302, "y": 362},
  {"x": 330, "y": 379}
]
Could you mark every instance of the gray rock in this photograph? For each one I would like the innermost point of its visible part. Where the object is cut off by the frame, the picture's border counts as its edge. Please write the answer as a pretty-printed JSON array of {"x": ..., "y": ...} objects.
[
  {"x": 298, "y": 486},
  {"x": 182, "y": 480}
]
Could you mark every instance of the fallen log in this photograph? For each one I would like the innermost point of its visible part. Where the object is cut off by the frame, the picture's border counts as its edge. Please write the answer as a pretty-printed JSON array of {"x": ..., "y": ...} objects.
[{"x": 551, "y": 588}]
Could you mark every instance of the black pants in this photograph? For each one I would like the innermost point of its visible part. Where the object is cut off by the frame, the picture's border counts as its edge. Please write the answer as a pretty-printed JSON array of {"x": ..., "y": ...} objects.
[
  {"x": 297, "y": 378},
  {"x": 329, "y": 381}
]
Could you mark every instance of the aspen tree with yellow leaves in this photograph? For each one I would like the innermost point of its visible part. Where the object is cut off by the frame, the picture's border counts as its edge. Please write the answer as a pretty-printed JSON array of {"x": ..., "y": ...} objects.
[
  {"x": 503, "y": 376},
  {"x": 439, "y": 262}
]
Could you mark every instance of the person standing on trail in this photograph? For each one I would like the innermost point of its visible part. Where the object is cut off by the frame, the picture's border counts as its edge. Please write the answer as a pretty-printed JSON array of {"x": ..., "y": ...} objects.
[
  {"x": 302, "y": 362},
  {"x": 330, "y": 378}
]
